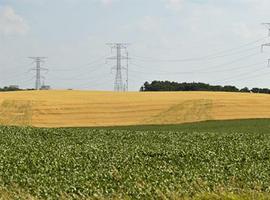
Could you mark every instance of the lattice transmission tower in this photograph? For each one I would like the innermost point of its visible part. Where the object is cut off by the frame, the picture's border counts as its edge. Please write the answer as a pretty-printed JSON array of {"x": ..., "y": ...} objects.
[
  {"x": 38, "y": 69},
  {"x": 120, "y": 85},
  {"x": 267, "y": 44},
  {"x": 267, "y": 25}
]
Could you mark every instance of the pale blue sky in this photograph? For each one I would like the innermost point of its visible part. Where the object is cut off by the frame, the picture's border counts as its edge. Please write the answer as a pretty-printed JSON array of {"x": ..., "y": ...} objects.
[{"x": 73, "y": 35}]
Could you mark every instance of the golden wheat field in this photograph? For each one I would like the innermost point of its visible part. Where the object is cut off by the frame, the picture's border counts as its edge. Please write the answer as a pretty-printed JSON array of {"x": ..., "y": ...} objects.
[{"x": 85, "y": 109}]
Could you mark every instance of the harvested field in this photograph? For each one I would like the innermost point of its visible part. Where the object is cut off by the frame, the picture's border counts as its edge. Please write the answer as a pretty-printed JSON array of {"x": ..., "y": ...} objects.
[{"x": 88, "y": 109}]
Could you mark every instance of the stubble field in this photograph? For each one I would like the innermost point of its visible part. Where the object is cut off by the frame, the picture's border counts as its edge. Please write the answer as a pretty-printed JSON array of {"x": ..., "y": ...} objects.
[{"x": 91, "y": 109}]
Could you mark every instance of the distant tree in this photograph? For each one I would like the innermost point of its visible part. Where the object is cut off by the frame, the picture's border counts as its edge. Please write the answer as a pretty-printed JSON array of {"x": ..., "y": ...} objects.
[
  {"x": 255, "y": 90},
  {"x": 9, "y": 88},
  {"x": 229, "y": 88},
  {"x": 245, "y": 89},
  {"x": 13, "y": 88},
  {"x": 174, "y": 86},
  {"x": 265, "y": 91},
  {"x": 261, "y": 90}
]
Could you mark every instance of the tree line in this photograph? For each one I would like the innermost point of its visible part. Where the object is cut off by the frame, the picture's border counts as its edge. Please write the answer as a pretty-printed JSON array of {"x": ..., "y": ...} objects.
[
  {"x": 12, "y": 89},
  {"x": 175, "y": 86},
  {"x": 9, "y": 89}
]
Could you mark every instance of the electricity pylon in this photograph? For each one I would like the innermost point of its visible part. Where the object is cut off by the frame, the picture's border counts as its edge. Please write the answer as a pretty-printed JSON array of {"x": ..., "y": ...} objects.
[
  {"x": 266, "y": 44},
  {"x": 38, "y": 69},
  {"x": 119, "y": 85},
  {"x": 268, "y": 27}
]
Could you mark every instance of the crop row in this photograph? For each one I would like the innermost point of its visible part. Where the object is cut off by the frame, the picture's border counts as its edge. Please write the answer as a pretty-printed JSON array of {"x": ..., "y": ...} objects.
[{"x": 84, "y": 163}]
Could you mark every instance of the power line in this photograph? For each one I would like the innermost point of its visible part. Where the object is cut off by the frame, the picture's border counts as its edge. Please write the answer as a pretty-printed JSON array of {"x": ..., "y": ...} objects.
[
  {"x": 194, "y": 72},
  {"x": 206, "y": 69},
  {"x": 83, "y": 66},
  {"x": 252, "y": 76},
  {"x": 144, "y": 59},
  {"x": 234, "y": 78},
  {"x": 121, "y": 81},
  {"x": 79, "y": 76},
  {"x": 96, "y": 82},
  {"x": 261, "y": 69},
  {"x": 215, "y": 55}
]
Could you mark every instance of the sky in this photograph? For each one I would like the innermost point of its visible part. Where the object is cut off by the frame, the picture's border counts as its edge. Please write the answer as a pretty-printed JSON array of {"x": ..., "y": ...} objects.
[{"x": 212, "y": 41}]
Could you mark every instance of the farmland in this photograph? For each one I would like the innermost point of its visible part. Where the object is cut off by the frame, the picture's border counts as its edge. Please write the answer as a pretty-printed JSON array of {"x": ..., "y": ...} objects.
[
  {"x": 92, "y": 109},
  {"x": 208, "y": 160}
]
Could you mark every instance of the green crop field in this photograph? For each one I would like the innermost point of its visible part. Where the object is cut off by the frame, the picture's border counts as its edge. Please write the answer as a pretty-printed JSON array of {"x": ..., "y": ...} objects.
[{"x": 209, "y": 160}]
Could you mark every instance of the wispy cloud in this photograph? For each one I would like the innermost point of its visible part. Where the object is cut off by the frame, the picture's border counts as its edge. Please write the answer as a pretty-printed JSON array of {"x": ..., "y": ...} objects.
[
  {"x": 107, "y": 2},
  {"x": 175, "y": 4},
  {"x": 11, "y": 23}
]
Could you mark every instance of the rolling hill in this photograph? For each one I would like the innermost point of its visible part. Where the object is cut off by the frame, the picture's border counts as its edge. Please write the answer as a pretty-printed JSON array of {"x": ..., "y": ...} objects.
[{"x": 89, "y": 109}]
